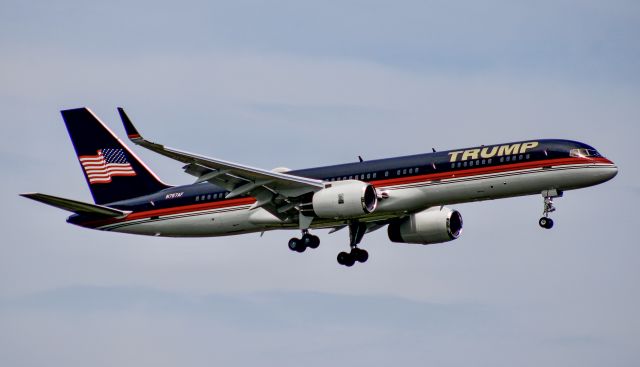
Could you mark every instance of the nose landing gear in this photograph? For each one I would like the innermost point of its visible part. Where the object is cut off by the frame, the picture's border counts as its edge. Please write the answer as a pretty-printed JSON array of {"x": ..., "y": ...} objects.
[{"x": 548, "y": 195}]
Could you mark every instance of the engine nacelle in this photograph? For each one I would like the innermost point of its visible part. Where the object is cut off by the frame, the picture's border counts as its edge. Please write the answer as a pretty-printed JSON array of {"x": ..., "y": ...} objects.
[
  {"x": 345, "y": 199},
  {"x": 433, "y": 225}
]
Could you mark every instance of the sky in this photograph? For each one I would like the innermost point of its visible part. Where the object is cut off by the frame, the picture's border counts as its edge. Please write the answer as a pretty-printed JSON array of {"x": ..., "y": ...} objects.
[{"x": 302, "y": 84}]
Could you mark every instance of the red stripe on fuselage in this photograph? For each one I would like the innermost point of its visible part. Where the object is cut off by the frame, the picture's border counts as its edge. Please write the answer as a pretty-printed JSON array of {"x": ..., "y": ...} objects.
[
  {"x": 486, "y": 170},
  {"x": 377, "y": 183}
]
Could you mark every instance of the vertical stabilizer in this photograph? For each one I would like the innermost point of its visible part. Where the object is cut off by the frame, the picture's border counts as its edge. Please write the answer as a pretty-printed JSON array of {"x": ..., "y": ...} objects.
[{"x": 113, "y": 172}]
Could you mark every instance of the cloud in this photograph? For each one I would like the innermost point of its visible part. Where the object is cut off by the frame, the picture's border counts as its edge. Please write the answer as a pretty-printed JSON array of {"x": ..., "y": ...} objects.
[
  {"x": 298, "y": 85},
  {"x": 106, "y": 325}
]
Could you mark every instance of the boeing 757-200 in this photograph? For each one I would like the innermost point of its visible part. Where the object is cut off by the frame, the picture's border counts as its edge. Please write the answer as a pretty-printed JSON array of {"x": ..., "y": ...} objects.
[{"x": 406, "y": 194}]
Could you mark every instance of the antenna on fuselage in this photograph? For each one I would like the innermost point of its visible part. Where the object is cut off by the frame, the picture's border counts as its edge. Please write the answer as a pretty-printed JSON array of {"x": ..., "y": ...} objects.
[{"x": 360, "y": 158}]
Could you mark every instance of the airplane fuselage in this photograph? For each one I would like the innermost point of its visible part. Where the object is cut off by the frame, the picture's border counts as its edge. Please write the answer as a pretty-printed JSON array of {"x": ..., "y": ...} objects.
[{"x": 404, "y": 185}]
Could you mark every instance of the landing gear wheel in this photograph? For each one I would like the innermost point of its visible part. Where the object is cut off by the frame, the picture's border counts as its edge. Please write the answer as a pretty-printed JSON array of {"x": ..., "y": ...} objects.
[
  {"x": 360, "y": 255},
  {"x": 310, "y": 240},
  {"x": 296, "y": 245},
  {"x": 545, "y": 222},
  {"x": 346, "y": 259},
  {"x": 315, "y": 241}
]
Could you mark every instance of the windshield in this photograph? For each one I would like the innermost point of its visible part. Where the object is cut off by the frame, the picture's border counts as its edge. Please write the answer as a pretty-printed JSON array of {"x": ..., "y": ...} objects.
[{"x": 584, "y": 152}]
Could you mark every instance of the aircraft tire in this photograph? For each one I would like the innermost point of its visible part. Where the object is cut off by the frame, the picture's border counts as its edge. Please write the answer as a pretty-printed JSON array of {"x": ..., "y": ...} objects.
[
  {"x": 545, "y": 222},
  {"x": 311, "y": 241},
  {"x": 346, "y": 259},
  {"x": 315, "y": 241},
  {"x": 360, "y": 255},
  {"x": 295, "y": 244}
]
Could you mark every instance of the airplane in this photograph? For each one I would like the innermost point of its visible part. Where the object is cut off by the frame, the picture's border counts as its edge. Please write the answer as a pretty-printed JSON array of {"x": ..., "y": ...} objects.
[{"x": 409, "y": 194}]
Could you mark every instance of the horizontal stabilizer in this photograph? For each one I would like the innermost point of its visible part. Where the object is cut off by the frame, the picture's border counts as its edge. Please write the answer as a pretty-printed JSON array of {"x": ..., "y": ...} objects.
[{"x": 75, "y": 206}]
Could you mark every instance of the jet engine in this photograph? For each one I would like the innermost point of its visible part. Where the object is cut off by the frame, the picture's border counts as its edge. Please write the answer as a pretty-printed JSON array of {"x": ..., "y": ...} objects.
[
  {"x": 345, "y": 199},
  {"x": 434, "y": 225}
]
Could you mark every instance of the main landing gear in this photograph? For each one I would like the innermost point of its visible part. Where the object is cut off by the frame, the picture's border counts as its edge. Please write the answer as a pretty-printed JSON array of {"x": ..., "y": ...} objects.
[
  {"x": 548, "y": 195},
  {"x": 356, "y": 232},
  {"x": 307, "y": 240}
]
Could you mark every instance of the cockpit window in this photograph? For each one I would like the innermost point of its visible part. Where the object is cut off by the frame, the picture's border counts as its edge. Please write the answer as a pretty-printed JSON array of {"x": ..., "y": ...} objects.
[{"x": 583, "y": 153}]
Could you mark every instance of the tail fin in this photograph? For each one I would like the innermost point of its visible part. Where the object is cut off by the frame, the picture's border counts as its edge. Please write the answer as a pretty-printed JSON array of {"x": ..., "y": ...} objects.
[{"x": 113, "y": 172}]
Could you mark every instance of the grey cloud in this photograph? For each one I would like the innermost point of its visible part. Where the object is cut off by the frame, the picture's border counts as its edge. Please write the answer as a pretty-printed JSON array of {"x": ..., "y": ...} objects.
[
  {"x": 100, "y": 325},
  {"x": 355, "y": 78}
]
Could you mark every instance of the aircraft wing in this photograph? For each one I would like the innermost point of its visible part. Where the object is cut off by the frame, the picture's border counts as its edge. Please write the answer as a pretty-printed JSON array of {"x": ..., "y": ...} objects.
[
  {"x": 75, "y": 206},
  {"x": 236, "y": 178}
]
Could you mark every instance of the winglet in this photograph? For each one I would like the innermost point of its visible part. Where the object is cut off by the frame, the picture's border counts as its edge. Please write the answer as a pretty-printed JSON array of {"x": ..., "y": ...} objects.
[
  {"x": 132, "y": 132},
  {"x": 134, "y": 135}
]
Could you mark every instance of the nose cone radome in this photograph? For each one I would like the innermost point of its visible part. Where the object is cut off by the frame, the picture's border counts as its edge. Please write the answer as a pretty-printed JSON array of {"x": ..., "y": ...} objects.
[
  {"x": 608, "y": 171},
  {"x": 613, "y": 171}
]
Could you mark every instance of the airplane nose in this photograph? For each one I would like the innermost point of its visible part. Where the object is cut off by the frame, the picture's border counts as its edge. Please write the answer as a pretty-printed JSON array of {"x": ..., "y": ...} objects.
[
  {"x": 610, "y": 171},
  {"x": 613, "y": 171}
]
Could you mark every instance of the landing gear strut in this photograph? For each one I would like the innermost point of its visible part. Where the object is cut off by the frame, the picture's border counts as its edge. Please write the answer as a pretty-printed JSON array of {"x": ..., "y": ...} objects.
[
  {"x": 548, "y": 195},
  {"x": 301, "y": 244},
  {"x": 356, "y": 232}
]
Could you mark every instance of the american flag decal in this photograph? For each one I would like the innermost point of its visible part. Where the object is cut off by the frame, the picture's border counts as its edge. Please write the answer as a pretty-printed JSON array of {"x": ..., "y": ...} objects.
[{"x": 108, "y": 163}]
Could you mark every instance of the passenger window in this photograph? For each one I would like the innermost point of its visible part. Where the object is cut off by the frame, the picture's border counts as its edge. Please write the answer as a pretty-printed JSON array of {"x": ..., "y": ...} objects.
[
  {"x": 417, "y": 169},
  {"x": 404, "y": 171},
  {"x": 520, "y": 157},
  {"x": 209, "y": 197},
  {"x": 459, "y": 164},
  {"x": 197, "y": 198},
  {"x": 527, "y": 156},
  {"x": 508, "y": 159},
  {"x": 410, "y": 170},
  {"x": 465, "y": 163},
  {"x": 453, "y": 165},
  {"x": 484, "y": 161},
  {"x": 374, "y": 175},
  {"x": 471, "y": 164},
  {"x": 386, "y": 173},
  {"x": 501, "y": 159},
  {"x": 368, "y": 176},
  {"x": 477, "y": 163},
  {"x": 489, "y": 161},
  {"x": 398, "y": 173},
  {"x": 362, "y": 176}
]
